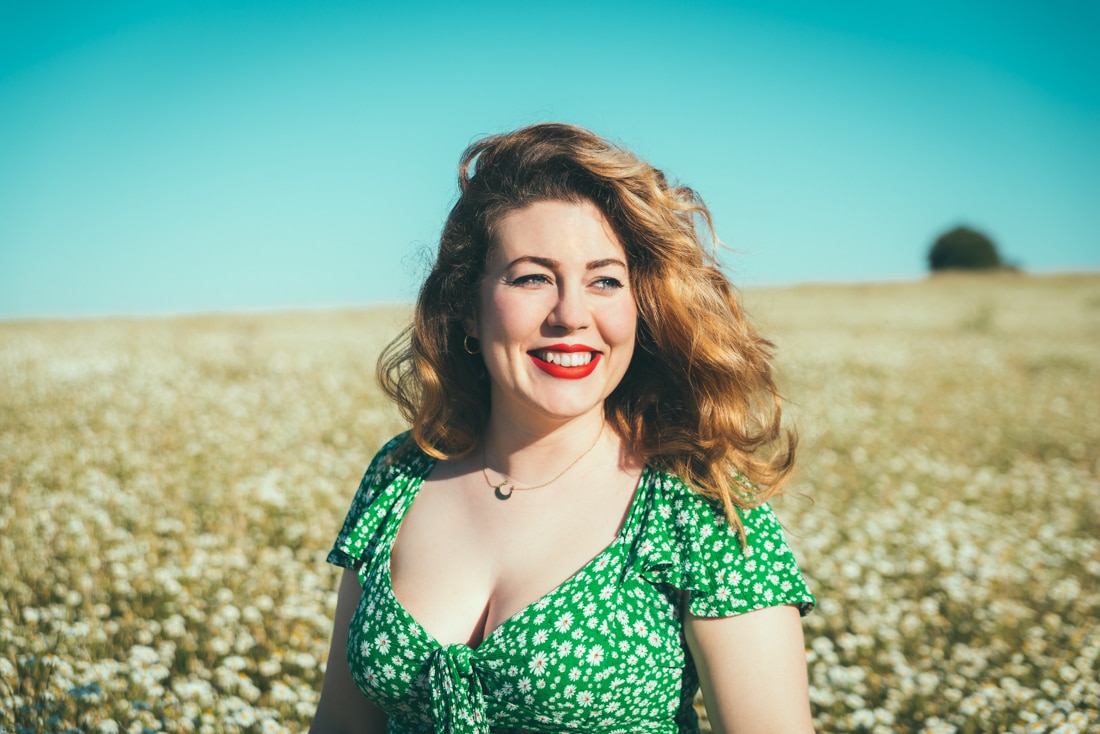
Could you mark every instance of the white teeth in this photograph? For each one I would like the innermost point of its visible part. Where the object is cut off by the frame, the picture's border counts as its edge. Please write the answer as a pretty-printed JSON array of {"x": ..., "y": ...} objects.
[{"x": 570, "y": 359}]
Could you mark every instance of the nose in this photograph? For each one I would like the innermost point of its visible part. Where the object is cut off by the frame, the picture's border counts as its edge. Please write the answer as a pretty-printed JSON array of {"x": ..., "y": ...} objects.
[{"x": 570, "y": 311}]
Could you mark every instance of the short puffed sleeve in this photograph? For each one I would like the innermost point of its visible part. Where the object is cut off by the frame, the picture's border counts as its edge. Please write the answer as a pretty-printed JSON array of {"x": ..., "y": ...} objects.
[
  {"x": 688, "y": 544},
  {"x": 376, "y": 500}
]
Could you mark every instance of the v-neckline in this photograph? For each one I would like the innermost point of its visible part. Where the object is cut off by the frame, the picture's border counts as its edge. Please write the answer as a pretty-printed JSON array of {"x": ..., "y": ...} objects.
[{"x": 414, "y": 488}]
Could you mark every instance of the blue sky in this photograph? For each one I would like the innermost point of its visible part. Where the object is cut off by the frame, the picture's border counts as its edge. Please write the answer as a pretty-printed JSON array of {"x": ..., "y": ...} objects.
[{"x": 165, "y": 156}]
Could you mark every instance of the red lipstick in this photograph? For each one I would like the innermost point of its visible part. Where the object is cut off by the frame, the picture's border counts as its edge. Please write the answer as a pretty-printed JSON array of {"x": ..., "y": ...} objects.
[{"x": 561, "y": 371}]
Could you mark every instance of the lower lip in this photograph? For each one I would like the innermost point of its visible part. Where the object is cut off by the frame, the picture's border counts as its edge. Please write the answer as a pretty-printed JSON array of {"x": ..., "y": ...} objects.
[{"x": 566, "y": 373}]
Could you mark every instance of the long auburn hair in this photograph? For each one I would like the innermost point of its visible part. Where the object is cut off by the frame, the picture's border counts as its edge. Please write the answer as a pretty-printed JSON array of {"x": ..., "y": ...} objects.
[{"x": 698, "y": 398}]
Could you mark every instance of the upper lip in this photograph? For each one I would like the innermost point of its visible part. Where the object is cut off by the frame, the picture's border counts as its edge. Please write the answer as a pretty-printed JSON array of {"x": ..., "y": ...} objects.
[{"x": 569, "y": 348}]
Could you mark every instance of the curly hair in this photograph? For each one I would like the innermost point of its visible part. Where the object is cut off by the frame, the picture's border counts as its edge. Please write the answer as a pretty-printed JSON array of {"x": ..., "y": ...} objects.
[{"x": 698, "y": 398}]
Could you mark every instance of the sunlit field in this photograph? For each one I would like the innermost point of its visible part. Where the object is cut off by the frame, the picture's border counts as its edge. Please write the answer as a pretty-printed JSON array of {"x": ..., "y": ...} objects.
[{"x": 169, "y": 489}]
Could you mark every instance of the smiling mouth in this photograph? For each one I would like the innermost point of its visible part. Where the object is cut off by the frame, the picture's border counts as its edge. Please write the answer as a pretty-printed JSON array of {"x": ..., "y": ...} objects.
[
  {"x": 565, "y": 365},
  {"x": 563, "y": 359}
]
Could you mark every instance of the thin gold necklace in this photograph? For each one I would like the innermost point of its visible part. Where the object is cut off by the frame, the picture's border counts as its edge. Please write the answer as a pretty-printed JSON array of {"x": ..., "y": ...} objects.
[{"x": 499, "y": 489}]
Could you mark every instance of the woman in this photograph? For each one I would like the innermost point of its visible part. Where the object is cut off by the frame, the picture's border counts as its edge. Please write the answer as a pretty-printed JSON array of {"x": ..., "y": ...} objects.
[{"x": 583, "y": 540}]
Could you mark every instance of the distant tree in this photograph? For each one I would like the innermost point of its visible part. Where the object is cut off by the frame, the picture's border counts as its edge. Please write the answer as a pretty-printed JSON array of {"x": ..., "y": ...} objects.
[{"x": 964, "y": 249}]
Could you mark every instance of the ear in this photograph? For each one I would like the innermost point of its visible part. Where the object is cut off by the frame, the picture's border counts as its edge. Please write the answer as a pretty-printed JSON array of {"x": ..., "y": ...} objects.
[{"x": 469, "y": 324}]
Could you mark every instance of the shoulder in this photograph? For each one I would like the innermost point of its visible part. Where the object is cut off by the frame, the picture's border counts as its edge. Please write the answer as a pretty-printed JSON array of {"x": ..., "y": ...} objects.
[
  {"x": 687, "y": 513},
  {"x": 398, "y": 462},
  {"x": 400, "y": 453},
  {"x": 691, "y": 513},
  {"x": 399, "y": 458},
  {"x": 690, "y": 538}
]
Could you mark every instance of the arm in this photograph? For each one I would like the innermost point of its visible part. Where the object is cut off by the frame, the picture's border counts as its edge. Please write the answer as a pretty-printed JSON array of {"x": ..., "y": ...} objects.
[
  {"x": 343, "y": 708},
  {"x": 752, "y": 670}
]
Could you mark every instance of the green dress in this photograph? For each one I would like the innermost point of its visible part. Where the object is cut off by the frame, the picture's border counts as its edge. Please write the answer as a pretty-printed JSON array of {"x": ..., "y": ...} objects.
[{"x": 604, "y": 652}]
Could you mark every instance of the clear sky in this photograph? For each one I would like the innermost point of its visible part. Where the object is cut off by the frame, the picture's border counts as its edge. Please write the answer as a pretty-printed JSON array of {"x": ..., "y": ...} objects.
[{"x": 168, "y": 156}]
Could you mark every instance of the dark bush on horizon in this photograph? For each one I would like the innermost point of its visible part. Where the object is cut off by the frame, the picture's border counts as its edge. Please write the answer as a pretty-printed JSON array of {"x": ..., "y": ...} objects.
[{"x": 964, "y": 249}]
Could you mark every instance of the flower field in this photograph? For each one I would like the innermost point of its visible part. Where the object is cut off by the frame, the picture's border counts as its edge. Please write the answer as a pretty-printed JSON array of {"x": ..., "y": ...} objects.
[{"x": 169, "y": 489}]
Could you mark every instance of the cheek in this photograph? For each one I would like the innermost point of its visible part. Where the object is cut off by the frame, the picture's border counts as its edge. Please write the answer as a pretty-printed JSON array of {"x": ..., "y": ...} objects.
[
  {"x": 504, "y": 318},
  {"x": 622, "y": 326}
]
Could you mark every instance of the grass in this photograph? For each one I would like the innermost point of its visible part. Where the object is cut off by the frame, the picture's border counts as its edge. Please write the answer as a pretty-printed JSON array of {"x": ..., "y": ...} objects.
[{"x": 169, "y": 488}]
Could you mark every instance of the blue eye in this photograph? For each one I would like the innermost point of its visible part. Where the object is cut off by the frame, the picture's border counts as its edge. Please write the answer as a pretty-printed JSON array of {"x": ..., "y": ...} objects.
[
  {"x": 609, "y": 284},
  {"x": 533, "y": 279}
]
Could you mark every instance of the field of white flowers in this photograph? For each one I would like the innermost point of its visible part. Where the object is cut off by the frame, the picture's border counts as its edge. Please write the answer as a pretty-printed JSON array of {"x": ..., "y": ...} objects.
[{"x": 169, "y": 489}]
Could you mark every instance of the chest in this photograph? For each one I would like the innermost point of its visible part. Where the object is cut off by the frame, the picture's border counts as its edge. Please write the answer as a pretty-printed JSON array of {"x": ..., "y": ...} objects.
[
  {"x": 602, "y": 650},
  {"x": 464, "y": 562}
]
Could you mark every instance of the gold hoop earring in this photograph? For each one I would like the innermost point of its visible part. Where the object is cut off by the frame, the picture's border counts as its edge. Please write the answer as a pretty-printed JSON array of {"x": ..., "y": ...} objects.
[{"x": 466, "y": 346}]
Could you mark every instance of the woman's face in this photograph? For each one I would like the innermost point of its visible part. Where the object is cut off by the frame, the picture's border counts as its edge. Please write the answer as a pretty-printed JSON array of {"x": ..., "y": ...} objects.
[{"x": 556, "y": 316}]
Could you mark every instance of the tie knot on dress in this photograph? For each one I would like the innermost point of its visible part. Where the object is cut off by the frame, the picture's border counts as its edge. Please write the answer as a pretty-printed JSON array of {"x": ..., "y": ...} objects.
[{"x": 458, "y": 706}]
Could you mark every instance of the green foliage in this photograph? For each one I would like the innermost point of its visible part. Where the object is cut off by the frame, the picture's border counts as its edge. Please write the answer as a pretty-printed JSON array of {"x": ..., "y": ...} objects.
[{"x": 963, "y": 249}]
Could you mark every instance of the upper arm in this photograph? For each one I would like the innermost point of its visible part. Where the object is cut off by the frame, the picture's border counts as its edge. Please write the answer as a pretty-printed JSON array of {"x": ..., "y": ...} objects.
[
  {"x": 752, "y": 670},
  {"x": 343, "y": 708}
]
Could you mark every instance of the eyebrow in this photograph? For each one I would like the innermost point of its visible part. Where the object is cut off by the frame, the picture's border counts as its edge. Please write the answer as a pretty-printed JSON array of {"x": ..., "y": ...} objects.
[{"x": 554, "y": 264}]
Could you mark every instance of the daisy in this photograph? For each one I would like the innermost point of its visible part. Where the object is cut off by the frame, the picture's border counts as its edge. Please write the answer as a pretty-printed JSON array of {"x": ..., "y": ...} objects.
[{"x": 538, "y": 663}]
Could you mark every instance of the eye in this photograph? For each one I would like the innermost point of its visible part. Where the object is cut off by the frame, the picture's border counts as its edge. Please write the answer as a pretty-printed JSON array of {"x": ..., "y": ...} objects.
[
  {"x": 530, "y": 280},
  {"x": 608, "y": 283}
]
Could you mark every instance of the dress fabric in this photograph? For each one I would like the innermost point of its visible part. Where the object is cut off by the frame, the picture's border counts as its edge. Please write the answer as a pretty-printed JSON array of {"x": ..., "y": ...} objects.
[{"x": 602, "y": 653}]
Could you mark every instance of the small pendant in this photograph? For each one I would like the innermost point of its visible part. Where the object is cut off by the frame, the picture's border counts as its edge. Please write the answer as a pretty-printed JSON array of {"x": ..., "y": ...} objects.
[{"x": 498, "y": 491}]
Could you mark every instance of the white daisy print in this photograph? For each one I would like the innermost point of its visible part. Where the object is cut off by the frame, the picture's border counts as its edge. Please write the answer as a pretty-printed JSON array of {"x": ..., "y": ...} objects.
[
  {"x": 564, "y": 622},
  {"x": 538, "y": 663},
  {"x": 604, "y": 650}
]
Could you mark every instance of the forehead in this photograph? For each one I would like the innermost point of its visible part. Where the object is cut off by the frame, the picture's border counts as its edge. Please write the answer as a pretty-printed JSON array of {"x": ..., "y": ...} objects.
[{"x": 553, "y": 227}]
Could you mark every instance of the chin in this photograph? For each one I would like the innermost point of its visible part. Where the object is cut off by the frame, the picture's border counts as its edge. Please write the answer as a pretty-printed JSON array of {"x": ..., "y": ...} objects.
[{"x": 568, "y": 410}]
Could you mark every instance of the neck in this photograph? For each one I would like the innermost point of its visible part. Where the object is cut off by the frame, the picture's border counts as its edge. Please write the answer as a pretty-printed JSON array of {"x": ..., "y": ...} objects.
[{"x": 529, "y": 454}]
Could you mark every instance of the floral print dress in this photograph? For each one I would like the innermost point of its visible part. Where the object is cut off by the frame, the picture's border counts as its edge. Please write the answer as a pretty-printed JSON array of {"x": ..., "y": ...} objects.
[{"x": 602, "y": 653}]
